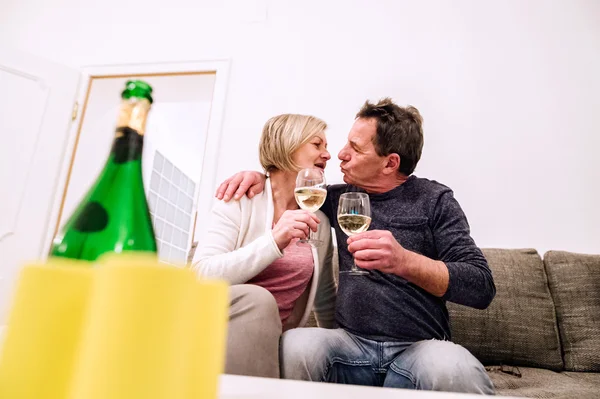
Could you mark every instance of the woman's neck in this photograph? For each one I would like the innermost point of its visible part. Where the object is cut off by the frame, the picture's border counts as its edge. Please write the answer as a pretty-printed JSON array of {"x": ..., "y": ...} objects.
[{"x": 282, "y": 187}]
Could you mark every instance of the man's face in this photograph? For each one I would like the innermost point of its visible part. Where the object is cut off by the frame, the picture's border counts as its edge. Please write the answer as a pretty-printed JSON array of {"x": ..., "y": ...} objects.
[{"x": 360, "y": 164}]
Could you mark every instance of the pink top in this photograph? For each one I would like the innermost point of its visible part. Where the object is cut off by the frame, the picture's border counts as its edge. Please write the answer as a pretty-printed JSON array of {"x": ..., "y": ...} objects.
[{"x": 287, "y": 277}]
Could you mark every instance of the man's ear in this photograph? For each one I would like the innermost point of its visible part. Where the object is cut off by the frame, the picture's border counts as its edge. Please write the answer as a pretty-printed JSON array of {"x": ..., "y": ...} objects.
[{"x": 392, "y": 164}]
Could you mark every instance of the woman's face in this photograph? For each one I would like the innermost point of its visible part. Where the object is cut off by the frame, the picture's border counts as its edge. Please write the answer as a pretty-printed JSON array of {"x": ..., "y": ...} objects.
[{"x": 313, "y": 154}]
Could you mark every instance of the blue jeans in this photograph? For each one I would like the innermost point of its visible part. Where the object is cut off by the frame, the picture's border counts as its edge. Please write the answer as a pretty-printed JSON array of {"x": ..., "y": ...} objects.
[{"x": 318, "y": 354}]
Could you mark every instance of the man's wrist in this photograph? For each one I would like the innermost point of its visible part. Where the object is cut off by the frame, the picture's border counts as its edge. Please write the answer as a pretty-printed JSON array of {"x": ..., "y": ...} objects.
[
  {"x": 405, "y": 263},
  {"x": 431, "y": 275}
]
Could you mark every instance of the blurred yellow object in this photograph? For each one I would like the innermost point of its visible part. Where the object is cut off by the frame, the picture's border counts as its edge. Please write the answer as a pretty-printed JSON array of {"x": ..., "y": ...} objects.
[
  {"x": 129, "y": 328},
  {"x": 43, "y": 331},
  {"x": 208, "y": 343}
]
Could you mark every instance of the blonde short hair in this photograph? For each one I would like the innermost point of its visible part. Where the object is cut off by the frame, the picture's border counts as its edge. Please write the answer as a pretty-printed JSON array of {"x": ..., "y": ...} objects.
[{"x": 282, "y": 135}]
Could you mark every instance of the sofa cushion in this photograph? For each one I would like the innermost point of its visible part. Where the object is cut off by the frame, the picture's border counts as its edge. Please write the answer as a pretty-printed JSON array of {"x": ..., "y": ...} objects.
[
  {"x": 574, "y": 281},
  {"x": 519, "y": 327},
  {"x": 540, "y": 383},
  {"x": 592, "y": 378}
]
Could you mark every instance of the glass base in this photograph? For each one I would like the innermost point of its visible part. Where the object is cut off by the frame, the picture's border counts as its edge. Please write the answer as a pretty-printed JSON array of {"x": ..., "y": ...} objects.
[
  {"x": 355, "y": 272},
  {"x": 304, "y": 243}
]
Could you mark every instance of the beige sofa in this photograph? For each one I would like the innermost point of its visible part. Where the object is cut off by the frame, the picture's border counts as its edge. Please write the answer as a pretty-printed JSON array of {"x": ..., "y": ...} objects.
[{"x": 540, "y": 337}]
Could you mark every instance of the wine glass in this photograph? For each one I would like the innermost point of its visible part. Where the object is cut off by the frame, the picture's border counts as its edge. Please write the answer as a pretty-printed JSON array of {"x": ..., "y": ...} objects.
[
  {"x": 310, "y": 193},
  {"x": 354, "y": 216}
]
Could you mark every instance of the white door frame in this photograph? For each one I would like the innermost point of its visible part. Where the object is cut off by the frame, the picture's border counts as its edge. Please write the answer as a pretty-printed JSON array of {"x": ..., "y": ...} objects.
[
  {"x": 23, "y": 230},
  {"x": 204, "y": 194}
]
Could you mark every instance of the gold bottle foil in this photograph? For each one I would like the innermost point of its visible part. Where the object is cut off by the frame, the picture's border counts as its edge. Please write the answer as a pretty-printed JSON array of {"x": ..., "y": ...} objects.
[{"x": 133, "y": 114}]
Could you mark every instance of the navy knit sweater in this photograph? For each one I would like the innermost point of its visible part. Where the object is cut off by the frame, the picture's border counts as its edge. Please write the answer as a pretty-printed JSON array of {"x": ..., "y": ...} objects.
[{"x": 425, "y": 218}]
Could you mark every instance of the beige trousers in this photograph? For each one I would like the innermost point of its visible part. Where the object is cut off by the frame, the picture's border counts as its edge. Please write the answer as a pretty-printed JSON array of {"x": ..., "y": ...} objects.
[{"x": 253, "y": 332}]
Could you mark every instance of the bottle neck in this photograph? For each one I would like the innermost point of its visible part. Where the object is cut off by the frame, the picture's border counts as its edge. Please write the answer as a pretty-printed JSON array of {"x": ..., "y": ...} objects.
[
  {"x": 133, "y": 114},
  {"x": 129, "y": 135}
]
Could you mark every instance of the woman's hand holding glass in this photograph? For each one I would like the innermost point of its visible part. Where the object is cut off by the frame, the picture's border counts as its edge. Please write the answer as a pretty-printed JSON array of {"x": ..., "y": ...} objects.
[
  {"x": 294, "y": 224},
  {"x": 310, "y": 194}
]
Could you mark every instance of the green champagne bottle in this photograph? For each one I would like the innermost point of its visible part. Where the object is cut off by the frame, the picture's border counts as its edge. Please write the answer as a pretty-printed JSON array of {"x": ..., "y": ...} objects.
[{"x": 114, "y": 215}]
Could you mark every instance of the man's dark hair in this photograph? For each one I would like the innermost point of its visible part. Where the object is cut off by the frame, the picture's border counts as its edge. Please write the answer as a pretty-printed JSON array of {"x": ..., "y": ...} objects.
[{"x": 399, "y": 130}]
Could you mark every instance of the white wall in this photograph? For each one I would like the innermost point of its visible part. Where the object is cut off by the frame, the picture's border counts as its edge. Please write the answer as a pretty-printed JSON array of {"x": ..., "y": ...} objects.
[
  {"x": 509, "y": 89},
  {"x": 178, "y": 132},
  {"x": 178, "y": 121}
]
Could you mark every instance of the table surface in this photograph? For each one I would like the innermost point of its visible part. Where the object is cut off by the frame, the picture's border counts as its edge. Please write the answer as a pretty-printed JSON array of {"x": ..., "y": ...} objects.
[{"x": 239, "y": 387}]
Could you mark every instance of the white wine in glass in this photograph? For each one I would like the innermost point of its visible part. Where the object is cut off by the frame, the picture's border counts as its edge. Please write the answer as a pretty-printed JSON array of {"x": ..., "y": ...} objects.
[
  {"x": 310, "y": 194},
  {"x": 354, "y": 216},
  {"x": 310, "y": 198}
]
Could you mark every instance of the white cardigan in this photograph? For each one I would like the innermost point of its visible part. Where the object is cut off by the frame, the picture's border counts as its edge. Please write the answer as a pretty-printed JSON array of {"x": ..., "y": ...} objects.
[{"x": 238, "y": 244}]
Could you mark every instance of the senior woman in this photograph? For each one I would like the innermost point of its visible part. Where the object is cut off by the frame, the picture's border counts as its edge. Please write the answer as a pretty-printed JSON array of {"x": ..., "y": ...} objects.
[{"x": 251, "y": 243}]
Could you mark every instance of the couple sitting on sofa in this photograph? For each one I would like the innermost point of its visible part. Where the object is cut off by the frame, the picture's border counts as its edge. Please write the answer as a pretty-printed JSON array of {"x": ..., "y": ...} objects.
[{"x": 389, "y": 327}]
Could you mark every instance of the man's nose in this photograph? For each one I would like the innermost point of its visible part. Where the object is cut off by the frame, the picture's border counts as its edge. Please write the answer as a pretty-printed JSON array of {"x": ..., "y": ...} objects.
[{"x": 343, "y": 154}]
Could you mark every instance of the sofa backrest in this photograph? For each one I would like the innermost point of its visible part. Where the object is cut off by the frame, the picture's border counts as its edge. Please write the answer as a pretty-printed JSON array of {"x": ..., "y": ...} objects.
[
  {"x": 574, "y": 281},
  {"x": 519, "y": 327}
]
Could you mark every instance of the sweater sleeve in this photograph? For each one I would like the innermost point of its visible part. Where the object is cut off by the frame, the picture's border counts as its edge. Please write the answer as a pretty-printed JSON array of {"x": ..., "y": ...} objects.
[
  {"x": 217, "y": 255},
  {"x": 471, "y": 282}
]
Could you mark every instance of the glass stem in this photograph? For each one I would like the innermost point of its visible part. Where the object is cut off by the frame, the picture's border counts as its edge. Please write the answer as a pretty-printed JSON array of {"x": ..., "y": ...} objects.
[{"x": 312, "y": 235}]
